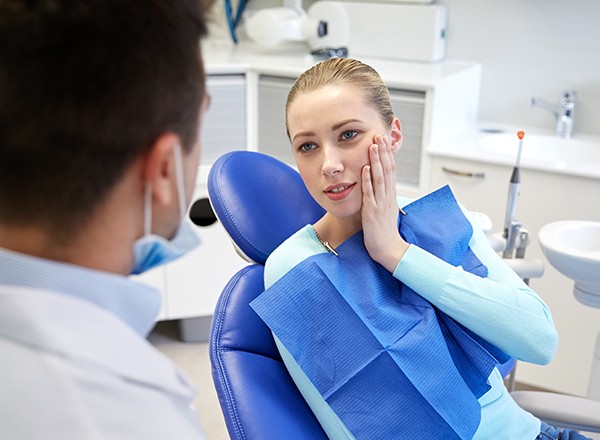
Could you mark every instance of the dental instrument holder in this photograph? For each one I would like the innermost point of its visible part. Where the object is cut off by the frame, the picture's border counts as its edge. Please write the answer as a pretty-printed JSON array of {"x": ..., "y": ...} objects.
[
  {"x": 523, "y": 243},
  {"x": 564, "y": 112},
  {"x": 510, "y": 235}
]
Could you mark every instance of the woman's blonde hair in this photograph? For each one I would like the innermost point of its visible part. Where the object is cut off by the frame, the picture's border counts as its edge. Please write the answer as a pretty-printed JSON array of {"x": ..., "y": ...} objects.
[{"x": 345, "y": 72}]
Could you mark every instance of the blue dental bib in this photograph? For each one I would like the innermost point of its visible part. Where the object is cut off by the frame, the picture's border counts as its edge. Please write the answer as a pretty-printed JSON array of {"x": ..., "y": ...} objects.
[{"x": 388, "y": 363}]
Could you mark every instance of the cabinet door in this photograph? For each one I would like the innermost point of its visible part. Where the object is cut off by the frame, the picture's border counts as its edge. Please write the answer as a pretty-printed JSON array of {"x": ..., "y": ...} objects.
[
  {"x": 409, "y": 106},
  {"x": 224, "y": 125},
  {"x": 478, "y": 186},
  {"x": 272, "y": 138}
]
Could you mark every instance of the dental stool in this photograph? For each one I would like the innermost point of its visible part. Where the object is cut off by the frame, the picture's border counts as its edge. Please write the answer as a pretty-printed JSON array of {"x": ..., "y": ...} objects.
[{"x": 260, "y": 202}]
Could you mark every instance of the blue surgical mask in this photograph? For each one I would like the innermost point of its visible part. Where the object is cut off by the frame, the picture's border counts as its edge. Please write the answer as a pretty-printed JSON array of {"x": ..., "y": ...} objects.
[{"x": 152, "y": 250}]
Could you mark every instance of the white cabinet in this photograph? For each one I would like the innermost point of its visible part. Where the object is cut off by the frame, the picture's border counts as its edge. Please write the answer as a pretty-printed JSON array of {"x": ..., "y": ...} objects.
[
  {"x": 426, "y": 113},
  {"x": 545, "y": 197}
]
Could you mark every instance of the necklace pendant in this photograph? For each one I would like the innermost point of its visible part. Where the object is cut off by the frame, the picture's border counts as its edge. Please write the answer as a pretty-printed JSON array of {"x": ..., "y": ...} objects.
[
  {"x": 325, "y": 244},
  {"x": 329, "y": 248}
]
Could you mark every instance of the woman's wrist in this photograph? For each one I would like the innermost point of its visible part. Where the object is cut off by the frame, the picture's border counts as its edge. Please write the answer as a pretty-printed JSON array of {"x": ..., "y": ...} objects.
[{"x": 393, "y": 256}]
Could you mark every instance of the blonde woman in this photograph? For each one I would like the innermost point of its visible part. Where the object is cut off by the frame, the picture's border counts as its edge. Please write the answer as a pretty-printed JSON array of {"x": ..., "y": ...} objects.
[{"x": 344, "y": 135}]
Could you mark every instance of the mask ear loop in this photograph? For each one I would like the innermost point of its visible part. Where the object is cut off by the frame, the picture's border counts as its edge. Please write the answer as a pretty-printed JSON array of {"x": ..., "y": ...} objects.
[
  {"x": 148, "y": 210},
  {"x": 180, "y": 183}
]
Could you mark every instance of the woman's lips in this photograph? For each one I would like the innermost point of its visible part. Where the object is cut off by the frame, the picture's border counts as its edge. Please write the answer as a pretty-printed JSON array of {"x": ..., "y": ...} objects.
[{"x": 339, "y": 192}]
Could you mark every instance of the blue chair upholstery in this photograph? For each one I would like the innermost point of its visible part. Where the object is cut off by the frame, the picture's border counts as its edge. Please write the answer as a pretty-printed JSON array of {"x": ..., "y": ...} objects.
[{"x": 260, "y": 202}]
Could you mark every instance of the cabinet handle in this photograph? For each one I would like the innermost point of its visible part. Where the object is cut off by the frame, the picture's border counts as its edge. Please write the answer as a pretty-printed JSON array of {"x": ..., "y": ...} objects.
[{"x": 469, "y": 174}]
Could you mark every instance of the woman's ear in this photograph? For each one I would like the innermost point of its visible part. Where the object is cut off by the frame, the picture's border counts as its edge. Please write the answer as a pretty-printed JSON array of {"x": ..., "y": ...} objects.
[{"x": 396, "y": 134}]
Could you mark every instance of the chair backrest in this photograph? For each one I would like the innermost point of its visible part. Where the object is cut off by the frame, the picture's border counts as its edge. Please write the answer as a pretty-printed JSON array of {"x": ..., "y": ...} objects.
[{"x": 260, "y": 201}]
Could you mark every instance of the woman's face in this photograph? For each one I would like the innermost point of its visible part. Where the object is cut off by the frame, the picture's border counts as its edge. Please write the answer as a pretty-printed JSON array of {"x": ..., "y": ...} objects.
[{"x": 331, "y": 130}]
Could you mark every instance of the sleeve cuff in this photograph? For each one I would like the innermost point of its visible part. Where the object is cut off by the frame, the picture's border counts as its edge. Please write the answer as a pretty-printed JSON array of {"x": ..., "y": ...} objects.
[{"x": 423, "y": 272}]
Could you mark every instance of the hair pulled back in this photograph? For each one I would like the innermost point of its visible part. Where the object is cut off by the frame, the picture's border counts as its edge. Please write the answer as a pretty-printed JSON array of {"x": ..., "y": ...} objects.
[{"x": 346, "y": 72}]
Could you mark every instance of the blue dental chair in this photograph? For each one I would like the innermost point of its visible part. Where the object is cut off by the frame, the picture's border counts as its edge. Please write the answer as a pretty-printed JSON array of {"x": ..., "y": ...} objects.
[
  {"x": 260, "y": 202},
  {"x": 257, "y": 396}
]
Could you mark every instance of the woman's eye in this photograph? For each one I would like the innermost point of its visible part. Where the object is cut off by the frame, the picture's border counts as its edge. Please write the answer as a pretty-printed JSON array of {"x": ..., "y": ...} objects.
[
  {"x": 306, "y": 147},
  {"x": 348, "y": 134}
]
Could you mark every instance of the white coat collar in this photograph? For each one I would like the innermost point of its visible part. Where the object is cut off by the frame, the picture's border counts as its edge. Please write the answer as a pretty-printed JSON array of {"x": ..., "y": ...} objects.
[{"x": 134, "y": 303}]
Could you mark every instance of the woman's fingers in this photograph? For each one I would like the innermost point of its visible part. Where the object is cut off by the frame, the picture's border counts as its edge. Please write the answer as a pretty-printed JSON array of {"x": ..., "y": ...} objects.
[
  {"x": 383, "y": 169},
  {"x": 389, "y": 166},
  {"x": 367, "y": 185},
  {"x": 377, "y": 173}
]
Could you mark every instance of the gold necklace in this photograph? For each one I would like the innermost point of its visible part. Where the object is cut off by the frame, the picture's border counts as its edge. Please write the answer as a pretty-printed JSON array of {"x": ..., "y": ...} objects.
[{"x": 325, "y": 244}]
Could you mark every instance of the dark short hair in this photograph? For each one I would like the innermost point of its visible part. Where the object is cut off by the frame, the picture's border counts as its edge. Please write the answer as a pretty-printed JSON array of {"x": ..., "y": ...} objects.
[{"x": 86, "y": 86}]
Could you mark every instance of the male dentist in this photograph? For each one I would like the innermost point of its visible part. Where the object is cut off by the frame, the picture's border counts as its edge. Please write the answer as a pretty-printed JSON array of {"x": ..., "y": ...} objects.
[{"x": 100, "y": 107}]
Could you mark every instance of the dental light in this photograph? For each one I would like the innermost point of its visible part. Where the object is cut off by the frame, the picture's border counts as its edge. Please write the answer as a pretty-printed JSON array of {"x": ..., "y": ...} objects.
[{"x": 324, "y": 27}]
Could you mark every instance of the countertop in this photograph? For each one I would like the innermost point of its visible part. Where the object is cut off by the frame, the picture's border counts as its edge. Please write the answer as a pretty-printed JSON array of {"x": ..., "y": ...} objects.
[
  {"x": 467, "y": 146},
  {"x": 222, "y": 57}
]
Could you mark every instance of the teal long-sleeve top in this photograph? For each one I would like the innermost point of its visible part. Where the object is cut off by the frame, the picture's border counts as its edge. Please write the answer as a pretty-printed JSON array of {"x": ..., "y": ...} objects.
[{"x": 500, "y": 308}]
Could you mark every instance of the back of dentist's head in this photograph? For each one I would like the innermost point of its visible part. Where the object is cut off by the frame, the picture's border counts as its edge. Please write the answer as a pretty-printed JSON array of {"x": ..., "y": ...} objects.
[{"x": 85, "y": 89}]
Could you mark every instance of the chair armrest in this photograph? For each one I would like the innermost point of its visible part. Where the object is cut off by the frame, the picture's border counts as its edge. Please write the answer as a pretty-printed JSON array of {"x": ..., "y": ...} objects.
[{"x": 561, "y": 410}]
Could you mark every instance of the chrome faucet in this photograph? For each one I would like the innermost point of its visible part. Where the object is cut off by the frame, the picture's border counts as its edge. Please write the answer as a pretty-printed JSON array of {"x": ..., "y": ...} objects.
[{"x": 563, "y": 111}]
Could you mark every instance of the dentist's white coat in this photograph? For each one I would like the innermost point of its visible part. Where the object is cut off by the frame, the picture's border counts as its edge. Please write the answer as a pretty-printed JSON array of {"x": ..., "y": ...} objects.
[{"x": 71, "y": 370}]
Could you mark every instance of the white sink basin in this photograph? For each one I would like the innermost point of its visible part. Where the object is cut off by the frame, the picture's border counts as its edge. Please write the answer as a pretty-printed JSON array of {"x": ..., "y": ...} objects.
[
  {"x": 573, "y": 248},
  {"x": 544, "y": 148}
]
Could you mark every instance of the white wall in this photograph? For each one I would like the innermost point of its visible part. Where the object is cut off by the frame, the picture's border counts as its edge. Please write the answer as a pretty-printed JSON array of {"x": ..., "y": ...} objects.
[
  {"x": 530, "y": 47},
  {"x": 527, "y": 48}
]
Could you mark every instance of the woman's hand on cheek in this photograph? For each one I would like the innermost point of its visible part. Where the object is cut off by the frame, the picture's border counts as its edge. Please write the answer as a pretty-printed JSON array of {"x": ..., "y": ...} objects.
[{"x": 379, "y": 206}]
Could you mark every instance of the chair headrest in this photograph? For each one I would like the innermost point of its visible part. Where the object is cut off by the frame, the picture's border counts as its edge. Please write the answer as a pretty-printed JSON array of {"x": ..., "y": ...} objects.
[{"x": 260, "y": 201}]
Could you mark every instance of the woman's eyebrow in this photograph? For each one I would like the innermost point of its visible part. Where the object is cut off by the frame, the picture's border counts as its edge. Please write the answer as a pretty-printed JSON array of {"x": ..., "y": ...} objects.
[
  {"x": 335, "y": 127},
  {"x": 303, "y": 134},
  {"x": 342, "y": 123}
]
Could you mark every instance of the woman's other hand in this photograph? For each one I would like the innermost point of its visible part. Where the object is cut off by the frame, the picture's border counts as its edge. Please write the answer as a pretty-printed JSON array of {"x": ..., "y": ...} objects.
[{"x": 380, "y": 208}]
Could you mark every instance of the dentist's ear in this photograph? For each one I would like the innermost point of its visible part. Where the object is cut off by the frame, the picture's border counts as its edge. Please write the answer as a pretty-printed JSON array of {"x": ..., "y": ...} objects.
[
  {"x": 159, "y": 168},
  {"x": 396, "y": 135}
]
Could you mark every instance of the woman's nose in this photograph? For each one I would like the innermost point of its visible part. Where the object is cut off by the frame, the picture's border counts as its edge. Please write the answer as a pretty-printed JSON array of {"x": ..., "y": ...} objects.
[{"x": 332, "y": 163}]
